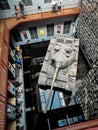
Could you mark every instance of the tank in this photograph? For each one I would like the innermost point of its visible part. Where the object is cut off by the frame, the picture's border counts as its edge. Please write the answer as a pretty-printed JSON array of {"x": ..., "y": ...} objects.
[
  {"x": 59, "y": 68},
  {"x": 62, "y": 54}
]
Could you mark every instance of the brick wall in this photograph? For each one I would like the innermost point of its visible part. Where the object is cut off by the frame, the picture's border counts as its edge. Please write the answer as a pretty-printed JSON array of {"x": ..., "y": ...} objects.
[
  {"x": 88, "y": 29},
  {"x": 4, "y": 47},
  {"x": 87, "y": 93}
]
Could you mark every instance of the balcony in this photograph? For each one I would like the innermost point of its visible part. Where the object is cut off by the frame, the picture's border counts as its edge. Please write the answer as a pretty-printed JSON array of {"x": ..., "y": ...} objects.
[
  {"x": 11, "y": 69},
  {"x": 11, "y": 89},
  {"x": 11, "y": 56},
  {"x": 11, "y": 112}
]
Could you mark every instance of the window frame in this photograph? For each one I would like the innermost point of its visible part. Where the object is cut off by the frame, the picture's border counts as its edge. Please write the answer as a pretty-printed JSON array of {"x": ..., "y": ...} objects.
[
  {"x": 67, "y": 25},
  {"x": 47, "y": 1},
  {"x": 4, "y": 5},
  {"x": 57, "y": 98},
  {"x": 33, "y": 32},
  {"x": 26, "y": 3},
  {"x": 16, "y": 35},
  {"x": 50, "y": 29}
]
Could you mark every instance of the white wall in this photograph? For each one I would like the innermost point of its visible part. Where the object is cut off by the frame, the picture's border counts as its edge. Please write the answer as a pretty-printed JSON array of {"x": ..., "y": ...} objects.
[
  {"x": 42, "y": 25},
  {"x": 34, "y": 8}
]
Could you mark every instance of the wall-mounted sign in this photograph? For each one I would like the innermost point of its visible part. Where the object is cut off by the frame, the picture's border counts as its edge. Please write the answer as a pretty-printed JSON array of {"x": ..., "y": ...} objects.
[
  {"x": 42, "y": 32},
  {"x": 58, "y": 29},
  {"x": 25, "y": 35}
]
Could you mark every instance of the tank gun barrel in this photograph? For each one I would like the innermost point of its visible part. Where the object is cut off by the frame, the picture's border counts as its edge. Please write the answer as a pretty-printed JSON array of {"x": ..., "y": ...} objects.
[{"x": 50, "y": 93}]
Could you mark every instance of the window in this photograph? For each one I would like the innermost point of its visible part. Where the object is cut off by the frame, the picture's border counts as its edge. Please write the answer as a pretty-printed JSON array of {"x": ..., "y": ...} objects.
[
  {"x": 62, "y": 122},
  {"x": 58, "y": 101},
  {"x": 16, "y": 35},
  {"x": 27, "y": 2},
  {"x": 4, "y": 5},
  {"x": 33, "y": 32},
  {"x": 67, "y": 27},
  {"x": 50, "y": 30},
  {"x": 47, "y": 1}
]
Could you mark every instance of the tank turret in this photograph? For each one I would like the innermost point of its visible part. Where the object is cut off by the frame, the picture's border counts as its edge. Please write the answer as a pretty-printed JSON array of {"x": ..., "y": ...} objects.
[{"x": 62, "y": 53}]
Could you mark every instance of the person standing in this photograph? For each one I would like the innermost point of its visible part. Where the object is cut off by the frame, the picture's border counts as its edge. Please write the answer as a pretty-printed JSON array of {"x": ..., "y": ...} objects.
[
  {"x": 54, "y": 6},
  {"x": 59, "y": 6},
  {"x": 19, "y": 126},
  {"x": 18, "y": 62},
  {"x": 16, "y": 12},
  {"x": 22, "y": 7},
  {"x": 75, "y": 32}
]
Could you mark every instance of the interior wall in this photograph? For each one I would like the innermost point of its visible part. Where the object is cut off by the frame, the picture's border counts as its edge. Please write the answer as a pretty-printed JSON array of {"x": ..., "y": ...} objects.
[
  {"x": 88, "y": 29},
  {"x": 34, "y": 8},
  {"x": 3, "y": 75},
  {"x": 42, "y": 25},
  {"x": 87, "y": 94}
]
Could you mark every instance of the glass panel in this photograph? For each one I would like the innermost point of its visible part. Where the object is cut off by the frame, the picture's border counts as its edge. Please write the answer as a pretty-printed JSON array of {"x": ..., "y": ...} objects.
[
  {"x": 4, "y": 5},
  {"x": 27, "y": 2},
  {"x": 80, "y": 118},
  {"x": 62, "y": 102},
  {"x": 56, "y": 104},
  {"x": 71, "y": 120},
  {"x": 67, "y": 27},
  {"x": 42, "y": 99},
  {"x": 7, "y": 6},
  {"x": 3, "y": 1},
  {"x": 33, "y": 32},
  {"x": 58, "y": 100},
  {"x": 62, "y": 122},
  {"x": 47, "y": 1},
  {"x": 75, "y": 119},
  {"x": 16, "y": 35},
  {"x": 43, "y": 106},
  {"x": 50, "y": 30},
  {"x": 56, "y": 95},
  {"x": 41, "y": 92}
]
